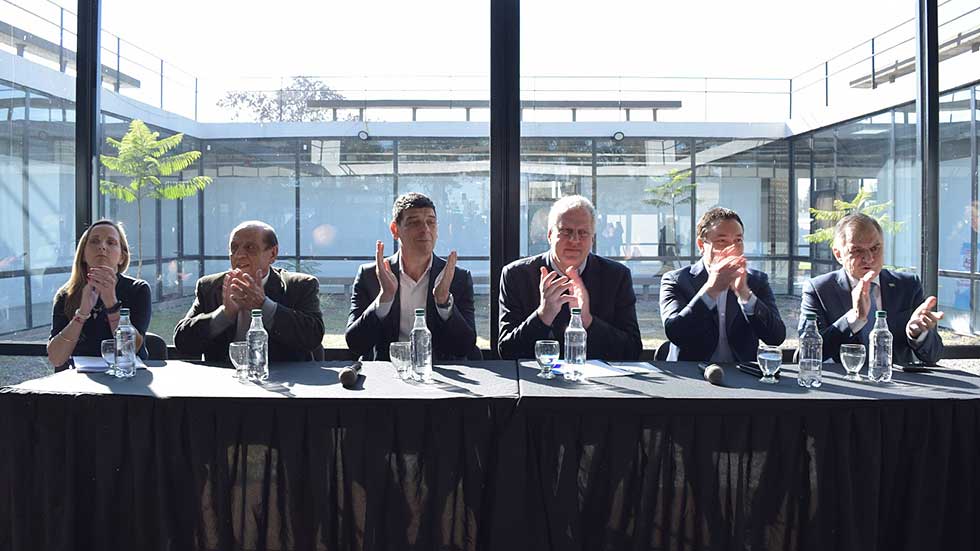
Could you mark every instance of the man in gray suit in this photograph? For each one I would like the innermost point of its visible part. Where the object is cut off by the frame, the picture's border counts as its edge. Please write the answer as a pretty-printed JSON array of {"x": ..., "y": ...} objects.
[
  {"x": 845, "y": 301},
  {"x": 221, "y": 313}
]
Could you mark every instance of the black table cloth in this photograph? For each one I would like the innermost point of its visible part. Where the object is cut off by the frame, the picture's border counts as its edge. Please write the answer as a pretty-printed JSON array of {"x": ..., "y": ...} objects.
[{"x": 490, "y": 457}]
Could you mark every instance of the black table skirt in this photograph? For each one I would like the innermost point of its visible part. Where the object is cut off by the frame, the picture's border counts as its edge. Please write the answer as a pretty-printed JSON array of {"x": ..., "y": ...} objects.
[{"x": 535, "y": 472}]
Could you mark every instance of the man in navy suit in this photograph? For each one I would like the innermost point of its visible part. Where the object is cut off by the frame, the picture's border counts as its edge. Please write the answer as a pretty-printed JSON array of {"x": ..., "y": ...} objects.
[
  {"x": 537, "y": 292},
  {"x": 388, "y": 290},
  {"x": 845, "y": 301},
  {"x": 719, "y": 309}
]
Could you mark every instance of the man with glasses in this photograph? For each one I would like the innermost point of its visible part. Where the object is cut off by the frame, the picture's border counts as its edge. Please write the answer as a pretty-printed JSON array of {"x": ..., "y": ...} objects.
[
  {"x": 221, "y": 313},
  {"x": 718, "y": 309},
  {"x": 845, "y": 301},
  {"x": 389, "y": 290},
  {"x": 536, "y": 293}
]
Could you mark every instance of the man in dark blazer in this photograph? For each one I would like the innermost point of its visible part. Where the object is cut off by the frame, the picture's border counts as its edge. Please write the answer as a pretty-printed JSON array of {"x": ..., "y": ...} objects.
[
  {"x": 387, "y": 291},
  {"x": 719, "y": 309},
  {"x": 845, "y": 301},
  {"x": 536, "y": 293},
  {"x": 221, "y": 313}
]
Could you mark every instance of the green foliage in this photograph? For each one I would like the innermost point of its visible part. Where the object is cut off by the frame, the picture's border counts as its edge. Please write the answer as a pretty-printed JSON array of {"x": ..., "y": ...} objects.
[
  {"x": 145, "y": 158},
  {"x": 676, "y": 190},
  {"x": 860, "y": 203}
]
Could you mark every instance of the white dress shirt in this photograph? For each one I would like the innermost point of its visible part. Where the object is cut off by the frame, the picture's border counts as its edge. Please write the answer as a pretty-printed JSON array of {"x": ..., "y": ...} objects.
[
  {"x": 413, "y": 294},
  {"x": 723, "y": 351}
]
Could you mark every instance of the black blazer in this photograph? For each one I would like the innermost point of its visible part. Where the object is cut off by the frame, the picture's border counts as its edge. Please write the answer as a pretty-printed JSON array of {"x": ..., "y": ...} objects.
[
  {"x": 297, "y": 331},
  {"x": 829, "y": 297},
  {"x": 614, "y": 334},
  {"x": 132, "y": 293},
  {"x": 452, "y": 339},
  {"x": 692, "y": 328}
]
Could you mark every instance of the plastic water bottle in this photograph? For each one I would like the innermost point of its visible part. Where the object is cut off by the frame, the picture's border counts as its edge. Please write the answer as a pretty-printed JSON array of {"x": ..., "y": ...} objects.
[
  {"x": 421, "y": 348},
  {"x": 880, "y": 343},
  {"x": 258, "y": 348},
  {"x": 125, "y": 346},
  {"x": 575, "y": 343},
  {"x": 811, "y": 354}
]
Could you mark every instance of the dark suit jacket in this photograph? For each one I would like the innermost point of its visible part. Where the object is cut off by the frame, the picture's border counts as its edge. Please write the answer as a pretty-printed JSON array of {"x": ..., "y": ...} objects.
[
  {"x": 297, "y": 329},
  {"x": 692, "y": 328},
  {"x": 829, "y": 297},
  {"x": 614, "y": 334},
  {"x": 452, "y": 339}
]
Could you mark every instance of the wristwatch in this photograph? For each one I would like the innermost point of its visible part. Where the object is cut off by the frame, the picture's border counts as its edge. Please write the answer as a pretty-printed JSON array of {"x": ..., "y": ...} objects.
[
  {"x": 114, "y": 308},
  {"x": 448, "y": 304}
]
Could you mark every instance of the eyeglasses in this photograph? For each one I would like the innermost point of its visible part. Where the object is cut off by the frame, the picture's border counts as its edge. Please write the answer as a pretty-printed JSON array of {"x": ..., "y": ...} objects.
[
  {"x": 861, "y": 252},
  {"x": 568, "y": 234}
]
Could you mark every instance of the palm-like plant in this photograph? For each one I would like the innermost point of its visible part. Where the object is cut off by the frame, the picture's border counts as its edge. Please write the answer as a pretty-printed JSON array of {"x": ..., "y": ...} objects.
[
  {"x": 144, "y": 158},
  {"x": 861, "y": 203},
  {"x": 676, "y": 190}
]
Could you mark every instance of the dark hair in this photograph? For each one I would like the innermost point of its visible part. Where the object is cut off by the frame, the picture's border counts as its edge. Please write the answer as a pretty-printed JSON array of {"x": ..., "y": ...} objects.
[
  {"x": 853, "y": 221},
  {"x": 411, "y": 200},
  {"x": 712, "y": 217}
]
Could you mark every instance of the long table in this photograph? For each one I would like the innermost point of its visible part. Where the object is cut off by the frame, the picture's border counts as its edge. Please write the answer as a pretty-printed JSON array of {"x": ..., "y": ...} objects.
[{"x": 182, "y": 456}]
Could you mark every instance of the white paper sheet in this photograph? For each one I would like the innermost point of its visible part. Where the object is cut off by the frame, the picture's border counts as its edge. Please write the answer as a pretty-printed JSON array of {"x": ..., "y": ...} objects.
[
  {"x": 595, "y": 368},
  {"x": 93, "y": 364}
]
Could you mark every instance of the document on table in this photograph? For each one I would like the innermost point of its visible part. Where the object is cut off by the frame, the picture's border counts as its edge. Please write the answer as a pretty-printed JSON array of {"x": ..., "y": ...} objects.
[
  {"x": 596, "y": 368},
  {"x": 94, "y": 364}
]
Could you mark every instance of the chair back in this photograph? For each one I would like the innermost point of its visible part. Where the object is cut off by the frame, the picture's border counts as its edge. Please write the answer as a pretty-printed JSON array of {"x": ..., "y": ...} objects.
[
  {"x": 156, "y": 347},
  {"x": 662, "y": 351}
]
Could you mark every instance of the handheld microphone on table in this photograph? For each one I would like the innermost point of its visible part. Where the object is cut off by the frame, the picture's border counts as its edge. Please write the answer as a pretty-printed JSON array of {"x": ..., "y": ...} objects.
[
  {"x": 349, "y": 374},
  {"x": 713, "y": 373}
]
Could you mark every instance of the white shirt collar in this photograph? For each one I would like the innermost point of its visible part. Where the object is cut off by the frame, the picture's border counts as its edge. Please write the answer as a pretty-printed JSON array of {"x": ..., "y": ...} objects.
[
  {"x": 854, "y": 281},
  {"x": 401, "y": 266}
]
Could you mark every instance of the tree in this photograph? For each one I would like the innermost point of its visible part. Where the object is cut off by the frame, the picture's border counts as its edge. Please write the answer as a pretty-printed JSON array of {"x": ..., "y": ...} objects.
[
  {"x": 676, "y": 190},
  {"x": 860, "y": 203},
  {"x": 143, "y": 157},
  {"x": 289, "y": 103}
]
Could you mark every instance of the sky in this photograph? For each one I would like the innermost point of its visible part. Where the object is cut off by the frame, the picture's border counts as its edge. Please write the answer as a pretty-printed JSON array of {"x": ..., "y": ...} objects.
[{"x": 251, "y": 44}]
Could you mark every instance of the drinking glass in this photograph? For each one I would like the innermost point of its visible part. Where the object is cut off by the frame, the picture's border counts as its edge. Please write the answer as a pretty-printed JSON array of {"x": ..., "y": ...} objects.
[
  {"x": 852, "y": 356},
  {"x": 238, "y": 352},
  {"x": 770, "y": 359},
  {"x": 109, "y": 355},
  {"x": 401, "y": 358},
  {"x": 546, "y": 352}
]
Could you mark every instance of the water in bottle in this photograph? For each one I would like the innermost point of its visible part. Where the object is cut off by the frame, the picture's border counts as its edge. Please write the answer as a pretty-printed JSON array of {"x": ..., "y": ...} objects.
[
  {"x": 811, "y": 354},
  {"x": 421, "y": 348},
  {"x": 575, "y": 344},
  {"x": 125, "y": 347},
  {"x": 257, "y": 340},
  {"x": 880, "y": 345}
]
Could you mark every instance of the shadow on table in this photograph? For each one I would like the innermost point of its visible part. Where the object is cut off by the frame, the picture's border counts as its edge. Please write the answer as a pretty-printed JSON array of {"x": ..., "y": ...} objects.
[{"x": 142, "y": 378}]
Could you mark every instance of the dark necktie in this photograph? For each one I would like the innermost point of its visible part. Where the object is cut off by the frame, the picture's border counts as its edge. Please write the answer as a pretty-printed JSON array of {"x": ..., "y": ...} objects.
[{"x": 865, "y": 332}]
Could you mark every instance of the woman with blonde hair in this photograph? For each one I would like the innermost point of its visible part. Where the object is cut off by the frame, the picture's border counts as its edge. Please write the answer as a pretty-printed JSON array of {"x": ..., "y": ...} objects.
[{"x": 86, "y": 308}]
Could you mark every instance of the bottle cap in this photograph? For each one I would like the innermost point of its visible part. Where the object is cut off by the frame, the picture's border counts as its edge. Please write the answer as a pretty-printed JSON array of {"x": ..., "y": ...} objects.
[
  {"x": 810, "y": 317},
  {"x": 881, "y": 314},
  {"x": 419, "y": 312},
  {"x": 124, "y": 312},
  {"x": 256, "y": 312},
  {"x": 576, "y": 311}
]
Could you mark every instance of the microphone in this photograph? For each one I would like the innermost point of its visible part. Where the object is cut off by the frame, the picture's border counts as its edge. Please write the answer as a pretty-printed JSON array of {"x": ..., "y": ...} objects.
[
  {"x": 713, "y": 373},
  {"x": 349, "y": 374}
]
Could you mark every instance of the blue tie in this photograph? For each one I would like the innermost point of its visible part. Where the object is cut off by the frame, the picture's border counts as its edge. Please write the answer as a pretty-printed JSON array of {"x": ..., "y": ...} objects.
[{"x": 865, "y": 332}]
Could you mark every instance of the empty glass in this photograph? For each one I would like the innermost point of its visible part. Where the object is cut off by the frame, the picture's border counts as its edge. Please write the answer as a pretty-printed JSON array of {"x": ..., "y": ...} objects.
[
  {"x": 546, "y": 352},
  {"x": 770, "y": 359},
  {"x": 852, "y": 356},
  {"x": 109, "y": 355},
  {"x": 401, "y": 357},
  {"x": 238, "y": 352}
]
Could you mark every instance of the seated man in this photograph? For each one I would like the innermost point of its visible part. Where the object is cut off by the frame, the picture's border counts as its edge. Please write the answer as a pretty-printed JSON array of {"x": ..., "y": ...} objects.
[
  {"x": 719, "y": 309},
  {"x": 388, "y": 290},
  {"x": 221, "y": 312},
  {"x": 536, "y": 293},
  {"x": 845, "y": 301}
]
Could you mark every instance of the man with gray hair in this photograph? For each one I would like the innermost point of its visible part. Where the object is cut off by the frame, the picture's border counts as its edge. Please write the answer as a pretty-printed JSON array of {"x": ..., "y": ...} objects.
[
  {"x": 536, "y": 293},
  {"x": 221, "y": 313},
  {"x": 845, "y": 301}
]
